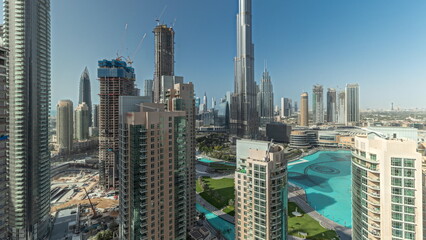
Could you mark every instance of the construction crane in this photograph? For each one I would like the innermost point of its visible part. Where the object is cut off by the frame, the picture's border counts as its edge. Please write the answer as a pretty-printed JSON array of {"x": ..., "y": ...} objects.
[
  {"x": 129, "y": 59},
  {"x": 161, "y": 15},
  {"x": 91, "y": 204}
]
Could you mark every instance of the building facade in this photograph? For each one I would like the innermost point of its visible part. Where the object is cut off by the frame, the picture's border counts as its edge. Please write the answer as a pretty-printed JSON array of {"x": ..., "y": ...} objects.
[
  {"x": 64, "y": 126},
  {"x": 85, "y": 93},
  {"x": 265, "y": 99},
  {"x": 81, "y": 122},
  {"x": 164, "y": 56},
  {"x": 95, "y": 115},
  {"x": 386, "y": 189},
  {"x": 304, "y": 110},
  {"x": 331, "y": 105},
  {"x": 4, "y": 131},
  {"x": 286, "y": 108},
  {"x": 260, "y": 191},
  {"x": 116, "y": 79},
  {"x": 27, "y": 37},
  {"x": 153, "y": 174},
  {"x": 244, "y": 115},
  {"x": 352, "y": 104},
  {"x": 147, "y": 87},
  {"x": 318, "y": 104},
  {"x": 341, "y": 108}
]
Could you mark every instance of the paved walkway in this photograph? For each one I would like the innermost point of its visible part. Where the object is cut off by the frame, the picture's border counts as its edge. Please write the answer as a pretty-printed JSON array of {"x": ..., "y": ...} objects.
[
  {"x": 343, "y": 232},
  {"x": 214, "y": 210}
]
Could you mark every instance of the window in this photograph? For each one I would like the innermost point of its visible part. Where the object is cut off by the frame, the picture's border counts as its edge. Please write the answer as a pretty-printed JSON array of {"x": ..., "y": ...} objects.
[
  {"x": 397, "y": 191},
  {"x": 397, "y": 216},
  {"x": 409, "y": 163},
  {"x": 409, "y": 227},
  {"x": 397, "y": 182},
  {"x": 373, "y": 157},
  {"x": 409, "y": 201},
  {"x": 409, "y": 218},
  {"x": 396, "y": 207},
  {"x": 409, "y": 183},
  {"x": 396, "y": 172},
  {"x": 396, "y": 233},
  {"x": 409, "y": 192},
  {"x": 409, "y": 210},
  {"x": 408, "y": 173},
  {"x": 396, "y": 162},
  {"x": 410, "y": 236},
  {"x": 396, "y": 199},
  {"x": 397, "y": 225}
]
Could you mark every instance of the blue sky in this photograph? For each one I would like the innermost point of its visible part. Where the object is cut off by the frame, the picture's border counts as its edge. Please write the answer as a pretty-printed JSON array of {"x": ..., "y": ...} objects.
[{"x": 379, "y": 44}]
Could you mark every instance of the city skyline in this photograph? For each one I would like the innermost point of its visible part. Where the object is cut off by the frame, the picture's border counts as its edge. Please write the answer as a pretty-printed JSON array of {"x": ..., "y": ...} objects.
[{"x": 375, "y": 58}]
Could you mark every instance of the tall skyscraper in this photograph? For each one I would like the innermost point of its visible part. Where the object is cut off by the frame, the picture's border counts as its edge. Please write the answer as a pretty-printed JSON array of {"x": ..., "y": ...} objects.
[
  {"x": 85, "y": 93},
  {"x": 64, "y": 126},
  {"x": 386, "y": 189},
  {"x": 304, "y": 110},
  {"x": 116, "y": 79},
  {"x": 285, "y": 107},
  {"x": 341, "y": 108},
  {"x": 81, "y": 122},
  {"x": 147, "y": 87},
  {"x": 164, "y": 56},
  {"x": 168, "y": 82},
  {"x": 181, "y": 98},
  {"x": 352, "y": 103},
  {"x": 331, "y": 105},
  {"x": 95, "y": 115},
  {"x": 261, "y": 191},
  {"x": 318, "y": 104},
  {"x": 244, "y": 116},
  {"x": 295, "y": 107},
  {"x": 266, "y": 99},
  {"x": 27, "y": 37},
  {"x": 4, "y": 116}
]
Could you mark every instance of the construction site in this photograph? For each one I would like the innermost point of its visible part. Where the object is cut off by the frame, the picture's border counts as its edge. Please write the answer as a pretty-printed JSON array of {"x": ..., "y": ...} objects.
[{"x": 80, "y": 208}]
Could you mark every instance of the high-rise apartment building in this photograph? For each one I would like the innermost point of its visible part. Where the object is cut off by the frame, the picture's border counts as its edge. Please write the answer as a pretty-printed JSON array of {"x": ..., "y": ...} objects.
[
  {"x": 341, "y": 108},
  {"x": 147, "y": 87},
  {"x": 352, "y": 104},
  {"x": 116, "y": 79},
  {"x": 386, "y": 189},
  {"x": 331, "y": 105},
  {"x": 304, "y": 110},
  {"x": 4, "y": 116},
  {"x": 286, "y": 107},
  {"x": 85, "y": 93},
  {"x": 265, "y": 99},
  {"x": 318, "y": 104},
  {"x": 81, "y": 122},
  {"x": 64, "y": 126},
  {"x": 181, "y": 98},
  {"x": 153, "y": 174},
  {"x": 95, "y": 115},
  {"x": 244, "y": 115},
  {"x": 260, "y": 191},
  {"x": 164, "y": 56},
  {"x": 27, "y": 38}
]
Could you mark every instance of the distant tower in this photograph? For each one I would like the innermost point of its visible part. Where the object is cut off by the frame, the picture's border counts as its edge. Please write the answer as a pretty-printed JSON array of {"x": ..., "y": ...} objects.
[
  {"x": 266, "y": 99},
  {"x": 318, "y": 104},
  {"x": 352, "y": 104},
  {"x": 391, "y": 106},
  {"x": 4, "y": 122},
  {"x": 331, "y": 105},
  {"x": 341, "y": 108},
  {"x": 81, "y": 119},
  {"x": 164, "y": 56},
  {"x": 116, "y": 79},
  {"x": 95, "y": 115},
  {"x": 304, "y": 110},
  {"x": 85, "y": 92},
  {"x": 244, "y": 115},
  {"x": 64, "y": 126},
  {"x": 147, "y": 88}
]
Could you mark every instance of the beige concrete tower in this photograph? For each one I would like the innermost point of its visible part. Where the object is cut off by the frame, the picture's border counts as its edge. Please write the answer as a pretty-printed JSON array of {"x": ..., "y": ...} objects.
[
  {"x": 386, "y": 189},
  {"x": 260, "y": 191},
  {"x": 164, "y": 57},
  {"x": 64, "y": 126},
  {"x": 304, "y": 110},
  {"x": 81, "y": 120},
  {"x": 153, "y": 174},
  {"x": 181, "y": 98}
]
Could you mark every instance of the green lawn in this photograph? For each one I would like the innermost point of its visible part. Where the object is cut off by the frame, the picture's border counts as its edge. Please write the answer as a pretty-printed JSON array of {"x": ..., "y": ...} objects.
[
  {"x": 218, "y": 193},
  {"x": 198, "y": 188},
  {"x": 307, "y": 225},
  {"x": 229, "y": 210}
]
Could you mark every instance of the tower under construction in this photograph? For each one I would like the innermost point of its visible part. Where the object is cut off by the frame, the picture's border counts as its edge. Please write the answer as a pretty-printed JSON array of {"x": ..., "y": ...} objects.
[
  {"x": 164, "y": 56},
  {"x": 116, "y": 79}
]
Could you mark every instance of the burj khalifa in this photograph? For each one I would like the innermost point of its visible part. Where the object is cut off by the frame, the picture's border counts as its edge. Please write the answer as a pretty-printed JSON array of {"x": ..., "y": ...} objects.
[{"x": 244, "y": 116}]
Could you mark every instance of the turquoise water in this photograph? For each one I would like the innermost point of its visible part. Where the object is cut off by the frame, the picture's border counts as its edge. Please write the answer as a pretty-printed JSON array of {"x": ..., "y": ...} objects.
[
  {"x": 326, "y": 178},
  {"x": 227, "y": 228},
  {"x": 205, "y": 160}
]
